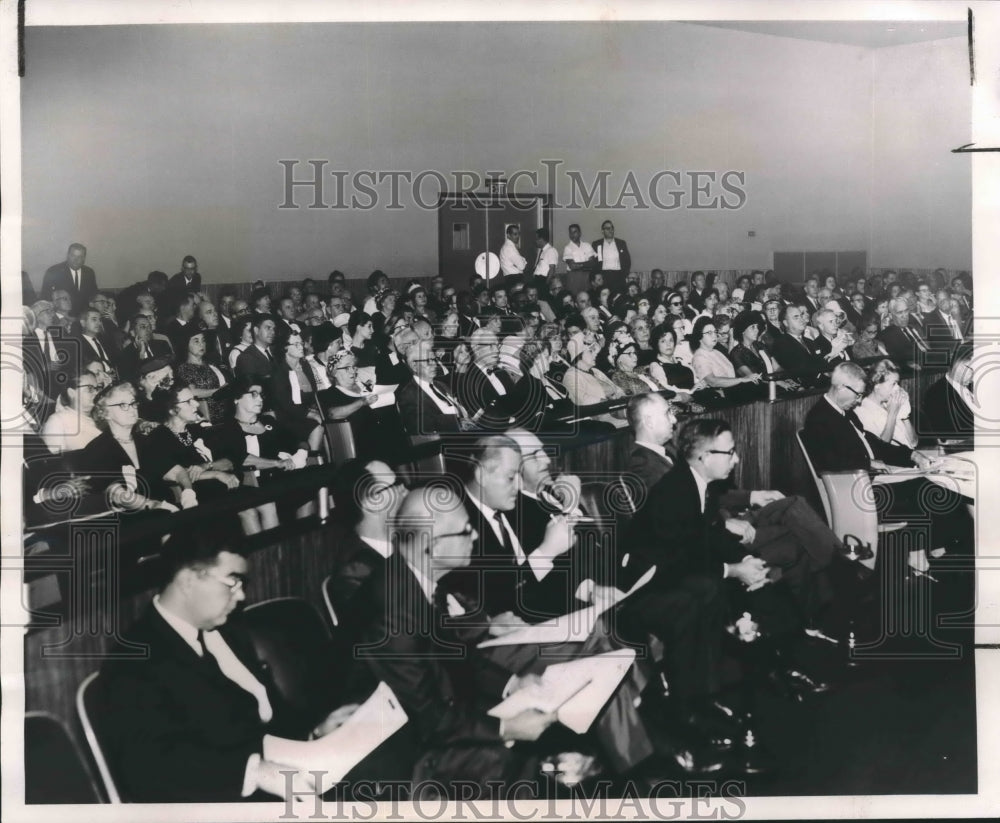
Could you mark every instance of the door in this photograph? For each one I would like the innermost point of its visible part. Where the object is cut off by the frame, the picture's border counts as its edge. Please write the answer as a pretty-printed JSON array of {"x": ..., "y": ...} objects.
[{"x": 471, "y": 223}]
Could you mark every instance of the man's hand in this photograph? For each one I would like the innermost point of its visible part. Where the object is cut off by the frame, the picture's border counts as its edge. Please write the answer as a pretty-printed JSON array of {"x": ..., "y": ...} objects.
[
  {"x": 271, "y": 780},
  {"x": 528, "y": 725},
  {"x": 335, "y": 720},
  {"x": 879, "y": 466},
  {"x": 751, "y": 571},
  {"x": 523, "y": 681},
  {"x": 762, "y": 498},
  {"x": 920, "y": 461},
  {"x": 559, "y": 536},
  {"x": 741, "y": 529},
  {"x": 505, "y": 623}
]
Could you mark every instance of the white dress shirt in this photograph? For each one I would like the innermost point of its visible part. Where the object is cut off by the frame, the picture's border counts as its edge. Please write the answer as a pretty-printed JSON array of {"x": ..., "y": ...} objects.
[
  {"x": 541, "y": 566},
  {"x": 511, "y": 260}
]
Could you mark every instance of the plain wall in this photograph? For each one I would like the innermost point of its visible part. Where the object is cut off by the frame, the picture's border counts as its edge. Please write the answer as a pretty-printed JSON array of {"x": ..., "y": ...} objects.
[
  {"x": 148, "y": 143},
  {"x": 921, "y": 192}
]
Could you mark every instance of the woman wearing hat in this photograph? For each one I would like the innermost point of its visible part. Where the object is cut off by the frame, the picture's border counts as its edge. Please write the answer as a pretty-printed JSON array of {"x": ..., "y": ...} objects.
[
  {"x": 376, "y": 432},
  {"x": 628, "y": 375},
  {"x": 203, "y": 378},
  {"x": 586, "y": 384}
]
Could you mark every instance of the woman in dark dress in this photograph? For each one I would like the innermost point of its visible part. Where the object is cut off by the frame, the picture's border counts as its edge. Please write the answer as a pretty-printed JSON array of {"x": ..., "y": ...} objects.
[
  {"x": 376, "y": 432},
  {"x": 126, "y": 474},
  {"x": 258, "y": 442},
  {"x": 665, "y": 369},
  {"x": 180, "y": 441},
  {"x": 203, "y": 378}
]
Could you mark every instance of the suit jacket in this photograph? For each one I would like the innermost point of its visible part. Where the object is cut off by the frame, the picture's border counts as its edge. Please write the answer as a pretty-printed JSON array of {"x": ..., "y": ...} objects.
[
  {"x": 822, "y": 347},
  {"x": 129, "y": 360},
  {"x": 648, "y": 466},
  {"x": 60, "y": 276},
  {"x": 253, "y": 363},
  {"x": 624, "y": 256},
  {"x": 793, "y": 356},
  {"x": 479, "y": 396},
  {"x": 176, "y": 283},
  {"x": 833, "y": 443},
  {"x": 671, "y": 532},
  {"x": 174, "y": 728},
  {"x": 900, "y": 346},
  {"x": 945, "y": 412},
  {"x": 420, "y": 414},
  {"x": 411, "y": 647},
  {"x": 534, "y": 408},
  {"x": 494, "y": 583}
]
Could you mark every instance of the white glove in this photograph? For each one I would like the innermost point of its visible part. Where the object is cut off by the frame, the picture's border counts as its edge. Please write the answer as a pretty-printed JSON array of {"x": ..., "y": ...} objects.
[{"x": 188, "y": 499}]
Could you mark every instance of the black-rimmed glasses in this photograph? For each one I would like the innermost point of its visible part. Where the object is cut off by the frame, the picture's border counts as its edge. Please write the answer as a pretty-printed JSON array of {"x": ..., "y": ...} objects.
[{"x": 727, "y": 452}]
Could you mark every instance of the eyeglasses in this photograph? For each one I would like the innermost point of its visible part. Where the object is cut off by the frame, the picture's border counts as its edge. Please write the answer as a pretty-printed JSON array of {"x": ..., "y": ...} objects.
[
  {"x": 233, "y": 582},
  {"x": 126, "y": 406},
  {"x": 467, "y": 531},
  {"x": 254, "y": 394},
  {"x": 853, "y": 391},
  {"x": 728, "y": 453}
]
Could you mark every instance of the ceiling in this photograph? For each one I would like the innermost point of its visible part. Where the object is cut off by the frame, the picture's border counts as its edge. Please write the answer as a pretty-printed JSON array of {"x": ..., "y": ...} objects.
[{"x": 868, "y": 34}]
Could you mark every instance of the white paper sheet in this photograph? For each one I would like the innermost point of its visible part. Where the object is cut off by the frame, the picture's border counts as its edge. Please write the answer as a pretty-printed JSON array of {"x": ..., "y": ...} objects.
[
  {"x": 335, "y": 754},
  {"x": 575, "y": 690}
]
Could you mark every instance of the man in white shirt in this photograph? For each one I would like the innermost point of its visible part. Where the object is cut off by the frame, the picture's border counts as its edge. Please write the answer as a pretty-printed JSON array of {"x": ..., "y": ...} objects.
[
  {"x": 652, "y": 420},
  {"x": 511, "y": 260},
  {"x": 186, "y": 720},
  {"x": 614, "y": 256},
  {"x": 70, "y": 426},
  {"x": 576, "y": 255},
  {"x": 90, "y": 330},
  {"x": 547, "y": 258}
]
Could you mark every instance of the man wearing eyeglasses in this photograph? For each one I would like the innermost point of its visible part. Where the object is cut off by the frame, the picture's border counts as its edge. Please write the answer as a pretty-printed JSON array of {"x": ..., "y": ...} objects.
[
  {"x": 838, "y": 442},
  {"x": 486, "y": 389},
  {"x": 698, "y": 533},
  {"x": 186, "y": 720}
]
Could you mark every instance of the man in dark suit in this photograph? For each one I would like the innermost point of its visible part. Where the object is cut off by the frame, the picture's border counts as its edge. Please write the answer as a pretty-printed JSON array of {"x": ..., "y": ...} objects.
[
  {"x": 141, "y": 347},
  {"x": 91, "y": 345},
  {"x": 425, "y": 405},
  {"x": 176, "y": 329},
  {"x": 188, "y": 278},
  {"x": 613, "y": 256},
  {"x": 948, "y": 407},
  {"x": 837, "y": 442},
  {"x": 905, "y": 344},
  {"x": 832, "y": 342},
  {"x": 79, "y": 280},
  {"x": 793, "y": 351},
  {"x": 486, "y": 390},
  {"x": 811, "y": 296},
  {"x": 688, "y": 529},
  {"x": 256, "y": 362},
  {"x": 217, "y": 335},
  {"x": 652, "y": 421},
  {"x": 186, "y": 718},
  {"x": 410, "y": 647}
]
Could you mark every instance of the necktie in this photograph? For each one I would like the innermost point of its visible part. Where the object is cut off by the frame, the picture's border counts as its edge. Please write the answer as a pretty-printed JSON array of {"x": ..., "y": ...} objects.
[
  {"x": 207, "y": 657},
  {"x": 267, "y": 354},
  {"x": 76, "y": 278},
  {"x": 442, "y": 396},
  {"x": 508, "y": 545},
  {"x": 100, "y": 350},
  {"x": 916, "y": 339}
]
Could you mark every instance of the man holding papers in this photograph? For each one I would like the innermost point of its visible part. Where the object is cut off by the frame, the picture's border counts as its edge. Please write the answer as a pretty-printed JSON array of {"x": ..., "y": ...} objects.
[{"x": 186, "y": 722}]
